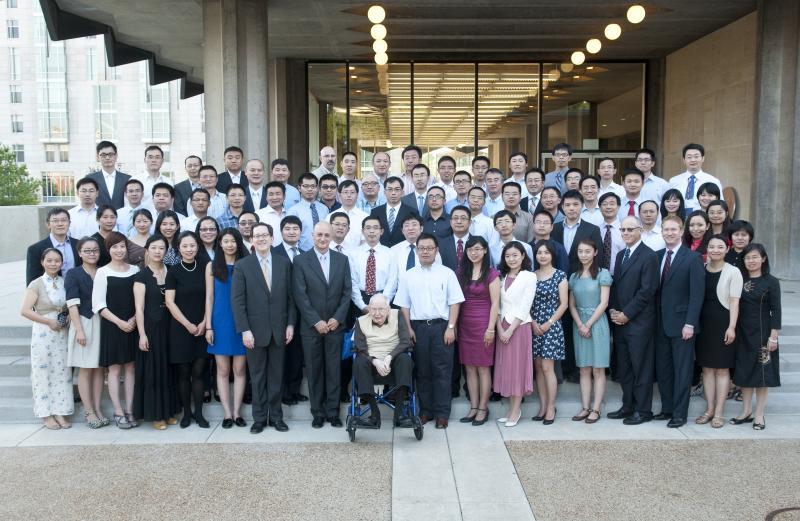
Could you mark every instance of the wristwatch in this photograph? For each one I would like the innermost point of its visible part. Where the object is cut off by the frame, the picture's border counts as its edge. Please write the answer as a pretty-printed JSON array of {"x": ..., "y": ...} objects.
[{"x": 451, "y": 326}]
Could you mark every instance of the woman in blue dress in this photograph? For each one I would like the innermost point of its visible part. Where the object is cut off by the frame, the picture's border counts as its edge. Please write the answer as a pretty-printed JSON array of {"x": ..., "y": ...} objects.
[
  {"x": 549, "y": 305},
  {"x": 588, "y": 301},
  {"x": 223, "y": 341}
]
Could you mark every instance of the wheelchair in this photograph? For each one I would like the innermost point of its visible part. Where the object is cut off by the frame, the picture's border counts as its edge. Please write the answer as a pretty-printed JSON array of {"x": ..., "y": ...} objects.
[{"x": 356, "y": 410}]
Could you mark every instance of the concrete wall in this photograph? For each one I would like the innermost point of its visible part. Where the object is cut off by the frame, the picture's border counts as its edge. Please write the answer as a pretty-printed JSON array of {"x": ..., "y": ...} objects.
[
  {"x": 710, "y": 99},
  {"x": 21, "y": 226}
]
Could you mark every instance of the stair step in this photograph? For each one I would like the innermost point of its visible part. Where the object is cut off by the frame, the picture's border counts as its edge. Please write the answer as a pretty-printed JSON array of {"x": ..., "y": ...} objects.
[{"x": 13, "y": 346}]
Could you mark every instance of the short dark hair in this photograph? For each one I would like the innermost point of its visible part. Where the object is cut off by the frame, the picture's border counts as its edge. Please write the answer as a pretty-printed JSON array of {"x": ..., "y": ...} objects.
[
  {"x": 633, "y": 171},
  {"x": 329, "y": 177},
  {"x": 233, "y": 149},
  {"x": 52, "y": 212},
  {"x": 411, "y": 217},
  {"x": 236, "y": 186},
  {"x": 105, "y": 144},
  {"x": 534, "y": 170},
  {"x": 462, "y": 173},
  {"x": 526, "y": 262},
  {"x": 409, "y": 148},
  {"x": 544, "y": 212},
  {"x": 260, "y": 224},
  {"x": 246, "y": 212},
  {"x": 460, "y": 208},
  {"x": 291, "y": 219},
  {"x": 394, "y": 179},
  {"x": 336, "y": 214},
  {"x": 445, "y": 158},
  {"x": 504, "y": 213},
  {"x": 86, "y": 181},
  {"x": 102, "y": 209},
  {"x": 572, "y": 194},
  {"x": 167, "y": 186},
  {"x": 350, "y": 153},
  {"x": 554, "y": 189},
  {"x": 133, "y": 181},
  {"x": 645, "y": 151},
  {"x": 347, "y": 183},
  {"x": 512, "y": 184},
  {"x": 193, "y": 157},
  {"x": 607, "y": 195},
  {"x": 114, "y": 238},
  {"x": 518, "y": 153},
  {"x": 648, "y": 201},
  {"x": 279, "y": 161},
  {"x": 494, "y": 171},
  {"x": 153, "y": 147},
  {"x": 200, "y": 190},
  {"x": 693, "y": 146},
  {"x": 476, "y": 188},
  {"x": 275, "y": 184},
  {"x": 709, "y": 188},
  {"x": 436, "y": 187},
  {"x": 427, "y": 237},
  {"x": 481, "y": 158},
  {"x": 310, "y": 177},
  {"x": 371, "y": 218},
  {"x": 562, "y": 146},
  {"x": 740, "y": 225},
  {"x": 422, "y": 165},
  {"x": 589, "y": 178},
  {"x": 207, "y": 167}
]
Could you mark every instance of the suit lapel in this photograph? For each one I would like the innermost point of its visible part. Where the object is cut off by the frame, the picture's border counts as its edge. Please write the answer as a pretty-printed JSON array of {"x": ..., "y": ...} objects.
[
  {"x": 317, "y": 268},
  {"x": 119, "y": 189},
  {"x": 676, "y": 262},
  {"x": 631, "y": 260},
  {"x": 258, "y": 274}
]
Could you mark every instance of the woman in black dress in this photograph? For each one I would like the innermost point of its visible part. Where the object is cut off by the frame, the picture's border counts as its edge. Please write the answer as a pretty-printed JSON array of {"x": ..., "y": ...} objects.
[
  {"x": 185, "y": 299},
  {"x": 112, "y": 299},
  {"x": 715, "y": 349},
  {"x": 759, "y": 325},
  {"x": 106, "y": 223},
  {"x": 156, "y": 399},
  {"x": 168, "y": 225}
]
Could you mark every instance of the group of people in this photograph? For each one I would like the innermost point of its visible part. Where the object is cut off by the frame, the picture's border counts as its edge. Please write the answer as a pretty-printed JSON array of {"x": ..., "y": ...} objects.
[{"x": 516, "y": 283}]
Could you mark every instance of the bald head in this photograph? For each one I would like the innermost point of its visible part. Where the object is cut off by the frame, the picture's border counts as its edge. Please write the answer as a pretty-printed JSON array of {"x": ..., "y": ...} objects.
[
  {"x": 322, "y": 236},
  {"x": 327, "y": 158},
  {"x": 379, "y": 309},
  {"x": 631, "y": 229}
]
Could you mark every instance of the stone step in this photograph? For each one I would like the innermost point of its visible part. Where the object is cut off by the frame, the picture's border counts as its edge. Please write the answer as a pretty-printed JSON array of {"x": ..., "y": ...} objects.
[
  {"x": 15, "y": 346},
  {"x": 15, "y": 332}
]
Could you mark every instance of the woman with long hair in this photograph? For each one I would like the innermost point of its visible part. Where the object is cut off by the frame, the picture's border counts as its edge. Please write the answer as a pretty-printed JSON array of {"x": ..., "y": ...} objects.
[
  {"x": 697, "y": 232},
  {"x": 142, "y": 223},
  {"x": 168, "y": 225},
  {"x": 672, "y": 203},
  {"x": 207, "y": 231},
  {"x": 477, "y": 322},
  {"x": 590, "y": 288}
]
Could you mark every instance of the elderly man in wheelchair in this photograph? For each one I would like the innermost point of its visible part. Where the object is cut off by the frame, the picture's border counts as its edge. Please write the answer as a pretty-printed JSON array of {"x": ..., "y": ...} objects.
[{"x": 382, "y": 346}]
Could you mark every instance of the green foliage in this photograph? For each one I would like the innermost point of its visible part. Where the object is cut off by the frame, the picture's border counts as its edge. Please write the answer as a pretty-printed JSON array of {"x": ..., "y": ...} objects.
[{"x": 16, "y": 185}]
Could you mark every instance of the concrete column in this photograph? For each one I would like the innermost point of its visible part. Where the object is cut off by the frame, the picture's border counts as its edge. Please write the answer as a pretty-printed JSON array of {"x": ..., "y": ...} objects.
[
  {"x": 776, "y": 154},
  {"x": 235, "y": 73}
]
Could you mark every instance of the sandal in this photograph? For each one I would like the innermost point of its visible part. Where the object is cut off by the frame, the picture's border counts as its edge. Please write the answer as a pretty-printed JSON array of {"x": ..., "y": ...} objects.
[
  {"x": 63, "y": 423},
  {"x": 705, "y": 418},
  {"x": 131, "y": 419},
  {"x": 105, "y": 421},
  {"x": 52, "y": 424},
  {"x": 738, "y": 395},
  {"x": 760, "y": 426},
  {"x": 92, "y": 424},
  {"x": 160, "y": 425},
  {"x": 718, "y": 422},
  {"x": 581, "y": 416},
  {"x": 592, "y": 420},
  {"x": 122, "y": 422},
  {"x": 468, "y": 418}
]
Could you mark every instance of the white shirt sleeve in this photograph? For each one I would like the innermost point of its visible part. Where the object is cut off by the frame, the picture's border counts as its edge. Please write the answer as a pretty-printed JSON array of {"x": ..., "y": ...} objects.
[
  {"x": 402, "y": 299},
  {"x": 99, "y": 290},
  {"x": 454, "y": 293}
]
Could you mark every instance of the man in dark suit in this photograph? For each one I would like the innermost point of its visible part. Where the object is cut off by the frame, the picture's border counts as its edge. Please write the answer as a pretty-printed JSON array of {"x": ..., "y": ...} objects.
[
  {"x": 534, "y": 182},
  {"x": 111, "y": 184},
  {"x": 321, "y": 285},
  {"x": 393, "y": 213},
  {"x": 418, "y": 199},
  {"x": 58, "y": 224},
  {"x": 233, "y": 174},
  {"x": 633, "y": 311},
  {"x": 678, "y": 303},
  {"x": 254, "y": 191},
  {"x": 264, "y": 313},
  {"x": 184, "y": 189}
]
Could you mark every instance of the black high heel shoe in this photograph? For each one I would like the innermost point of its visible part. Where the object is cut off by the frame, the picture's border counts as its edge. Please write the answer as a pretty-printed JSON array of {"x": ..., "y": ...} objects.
[
  {"x": 476, "y": 422},
  {"x": 186, "y": 420},
  {"x": 550, "y": 422},
  {"x": 740, "y": 421},
  {"x": 201, "y": 422},
  {"x": 468, "y": 418}
]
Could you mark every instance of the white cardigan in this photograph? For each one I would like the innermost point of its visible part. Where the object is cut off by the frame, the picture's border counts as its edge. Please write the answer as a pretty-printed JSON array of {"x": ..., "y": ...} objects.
[
  {"x": 729, "y": 285},
  {"x": 516, "y": 301}
]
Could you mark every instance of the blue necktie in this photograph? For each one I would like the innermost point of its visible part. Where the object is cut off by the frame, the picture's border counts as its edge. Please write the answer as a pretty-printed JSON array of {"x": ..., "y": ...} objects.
[
  {"x": 314, "y": 214},
  {"x": 420, "y": 203},
  {"x": 626, "y": 256},
  {"x": 411, "y": 258},
  {"x": 392, "y": 217},
  {"x": 690, "y": 188}
]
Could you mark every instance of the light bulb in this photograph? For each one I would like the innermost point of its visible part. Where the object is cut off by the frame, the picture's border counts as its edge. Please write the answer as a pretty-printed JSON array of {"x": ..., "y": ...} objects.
[
  {"x": 380, "y": 46},
  {"x": 567, "y": 67},
  {"x": 378, "y": 32},
  {"x": 635, "y": 14},
  {"x": 594, "y": 45},
  {"x": 376, "y": 14},
  {"x": 613, "y": 31},
  {"x": 578, "y": 57},
  {"x": 382, "y": 58}
]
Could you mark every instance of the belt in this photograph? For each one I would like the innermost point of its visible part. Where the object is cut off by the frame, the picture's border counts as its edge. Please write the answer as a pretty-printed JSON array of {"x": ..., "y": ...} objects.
[{"x": 429, "y": 322}]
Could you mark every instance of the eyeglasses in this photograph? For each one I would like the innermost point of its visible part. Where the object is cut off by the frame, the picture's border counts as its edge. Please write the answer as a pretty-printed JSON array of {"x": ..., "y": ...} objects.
[
  {"x": 91, "y": 252},
  {"x": 426, "y": 249},
  {"x": 435, "y": 197},
  {"x": 208, "y": 230},
  {"x": 370, "y": 183},
  {"x": 247, "y": 222},
  {"x": 107, "y": 155},
  {"x": 628, "y": 230},
  {"x": 327, "y": 187},
  {"x": 87, "y": 191},
  {"x": 561, "y": 155},
  {"x": 261, "y": 236}
]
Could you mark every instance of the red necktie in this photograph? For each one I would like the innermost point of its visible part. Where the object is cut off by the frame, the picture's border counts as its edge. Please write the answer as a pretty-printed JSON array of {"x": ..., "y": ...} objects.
[
  {"x": 370, "y": 285},
  {"x": 631, "y": 212},
  {"x": 459, "y": 254},
  {"x": 252, "y": 249}
]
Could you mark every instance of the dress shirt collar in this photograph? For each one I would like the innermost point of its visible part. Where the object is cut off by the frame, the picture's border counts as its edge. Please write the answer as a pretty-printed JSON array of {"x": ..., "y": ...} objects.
[
  {"x": 572, "y": 226},
  {"x": 81, "y": 209},
  {"x": 463, "y": 239},
  {"x": 674, "y": 249},
  {"x": 320, "y": 254},
  {"x": 633, "y": 248},
  {"x": 108, "y": 175},
  {"x": 614, "y": 224},
  {"x": 56, "y": 243},
  {"x": 395, "y": 206},
  {"x": 269, "y": 209},
  {"x": 267, "y": 257}
]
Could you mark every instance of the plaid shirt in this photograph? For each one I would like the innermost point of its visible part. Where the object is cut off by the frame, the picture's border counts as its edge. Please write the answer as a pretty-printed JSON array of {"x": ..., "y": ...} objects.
[{"x": 227, "y": 220}]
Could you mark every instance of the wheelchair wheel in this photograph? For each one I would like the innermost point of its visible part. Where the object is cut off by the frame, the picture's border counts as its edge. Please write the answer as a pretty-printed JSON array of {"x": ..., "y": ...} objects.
[
  {"x": 417, "y": 427},
  {"x": 351, "y": 428}
]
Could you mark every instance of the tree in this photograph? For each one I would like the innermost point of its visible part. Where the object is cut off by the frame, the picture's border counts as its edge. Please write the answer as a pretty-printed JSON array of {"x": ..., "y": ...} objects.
[{"x": 16, "y": 185}]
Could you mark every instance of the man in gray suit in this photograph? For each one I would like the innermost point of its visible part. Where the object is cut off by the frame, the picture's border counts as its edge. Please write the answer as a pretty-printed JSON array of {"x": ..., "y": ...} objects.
[
  {"x": 110, "y": 183},
  {"x": 321, "y": 286},
  {"x": 263, "y": 311}
]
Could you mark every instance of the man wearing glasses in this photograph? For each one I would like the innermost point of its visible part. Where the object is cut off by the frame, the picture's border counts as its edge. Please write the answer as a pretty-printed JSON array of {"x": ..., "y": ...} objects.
[
  {"x": 328, "y": 184},
  {"x": 436, "y": 221},
  {"x": 110, "y": 182},
  {"x": 462, "y": 182},
  {"x": 371, "y": 195},
  {"x": 58, "y": 223},
  {"x": 654, "y": 186},
  {"x": 562, "y": 154},
  {"x": 309, "y": 210}
]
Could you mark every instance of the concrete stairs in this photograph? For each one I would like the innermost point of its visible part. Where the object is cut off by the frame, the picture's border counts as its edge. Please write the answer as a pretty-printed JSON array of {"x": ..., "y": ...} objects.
[{"x": 16, "y": 404}]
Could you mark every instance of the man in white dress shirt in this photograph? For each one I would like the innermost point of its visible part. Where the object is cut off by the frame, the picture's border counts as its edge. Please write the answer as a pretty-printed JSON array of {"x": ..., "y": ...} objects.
[
  {"x": 609, "y": 231},
  {"x": 480, "y": 164},
  {"x": 381, "y": 164},
  {"x": 153, "y": 160},
  {"x": 371, "y": 195},
  {"x": 446, "y": 169},
  {"x": 632, "y": 180},
  {"x": 481, "y": 224},
  {"x": 494, "y": 192},
  {"x": 348, "y": 195},
  {"x": 134, "y": 193},
  {"x": 606, "y": 170},
  {"x": 504, "y": 222},
  {"x": 517, "y": 166},
  {"x": 689, "y": 182},
  {"x": 340, "y": 227},
  {"x": 404, "y": 255},
  {"x": 83, "y": 216},
  {"x": 654, "y": 186},
  {"x": 208, "y": 180},
  {"x": 279, "y": 171},
  {"x": 412, "y": 156},
  {"x": 370, "y": 265},
  {"x": 651, "y": 231},
  {"x": 327, "y": 162},
  {"x": 589, "y": 188},
  {"x": 349, "y": 166},
  {"x": 274, "y": 212}
]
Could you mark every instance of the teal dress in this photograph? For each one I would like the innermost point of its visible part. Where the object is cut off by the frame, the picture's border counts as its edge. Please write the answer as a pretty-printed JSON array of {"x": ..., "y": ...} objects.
[{"x": 594, "y": 351}]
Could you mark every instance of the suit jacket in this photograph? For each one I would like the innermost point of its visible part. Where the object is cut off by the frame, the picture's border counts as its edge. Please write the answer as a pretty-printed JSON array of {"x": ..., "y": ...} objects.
[
  {"x": 283, "y": 252},
  {"x": 634, "y": 289},
  {"x": 248, "y": 201},
  {"x": 411, "y": 201},
  {"x": 117, "y": 199},
  {"x": 681, "y": 295},
  {"x": 586, "y": 230},
  {"x": 33, "y": 268},
  {"x": 263, "y": 311},
  {"x": 447, "y": 250},
  {"x": 317, "y": 299},
  {"x": 224, "y": 181},
  {"x": 395, "y": 236},
  {"x": 524, "y": 204},
  {"x": 183, "y": 193}
]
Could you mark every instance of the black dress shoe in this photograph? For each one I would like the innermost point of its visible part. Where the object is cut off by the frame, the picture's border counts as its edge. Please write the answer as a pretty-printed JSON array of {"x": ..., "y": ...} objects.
[
  {"x": 636, "y": 419},
  {"x": 239, "y": 421},
  {"x": 201, "y": 422},
  {"x": 318, "y": 422},
  {"x": 620, "y": 414},
  {"x": 674, "y": 423},
  {"x": 537, "y": 418},
  {"x": 663, "y": 416},
  {"x": 288, "y": 401},
  {"x": 279, "y": 425},
  {"x": 257, "y": 428},
  {"x": 335, "y": 421},
  {"x": 403, "y": 422},
  {"x": 227, "y": 423},
  {"x": 186, "y": 420},
  {"x": 300, "y": 397},
  {"x": 370, "y": 422}
]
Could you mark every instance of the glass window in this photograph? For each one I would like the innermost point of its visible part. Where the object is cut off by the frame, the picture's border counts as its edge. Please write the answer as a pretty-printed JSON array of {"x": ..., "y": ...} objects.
[
  {"x": 380, "y": 112},
  {"x": 50, "y": 153},
  {"x": 12, "y": 28},
  {"x": 16, "y": 93},
  {"x": 63, "y": 153},
  {"x": 508, "y": 111},
  {"x": 16, "y": 123},
  {"x": 11, "y": 4},
  {"x": 105, "y": 113},
  {"x": 19, "y": 153},
  {"x": 154, "y": 105},
  {"x": 91, "y": 63},
  {"x": 14, "y": 69},
  {"x": 327, "y": 109},
  {"x": 58, "y": 187}
]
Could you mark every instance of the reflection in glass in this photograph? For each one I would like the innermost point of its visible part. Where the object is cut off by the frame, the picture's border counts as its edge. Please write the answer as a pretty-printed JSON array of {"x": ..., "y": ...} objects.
[{"x": 327, "y": 109}]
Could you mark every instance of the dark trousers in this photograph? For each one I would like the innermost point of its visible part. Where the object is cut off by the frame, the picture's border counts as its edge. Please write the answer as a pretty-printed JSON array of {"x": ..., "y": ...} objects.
[
  {"x": 366, "y": 375},
  {"x": 293, "y": 367},
  {"x": 455, "y": 380},
  {"x": 433, "y": 361},
  {"x": 265, "y": 365},
  {"x": 635, "y": 367},
  {"x": 674, "y": 364},
  {"x": 568, "y": 366},
  {"x": 323, "y": 358}
]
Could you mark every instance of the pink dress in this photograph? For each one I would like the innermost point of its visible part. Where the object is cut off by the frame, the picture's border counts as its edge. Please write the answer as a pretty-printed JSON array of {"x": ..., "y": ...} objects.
[
  {"x": 473, "y": 320},
  {"x": 513, "y": 365}
]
